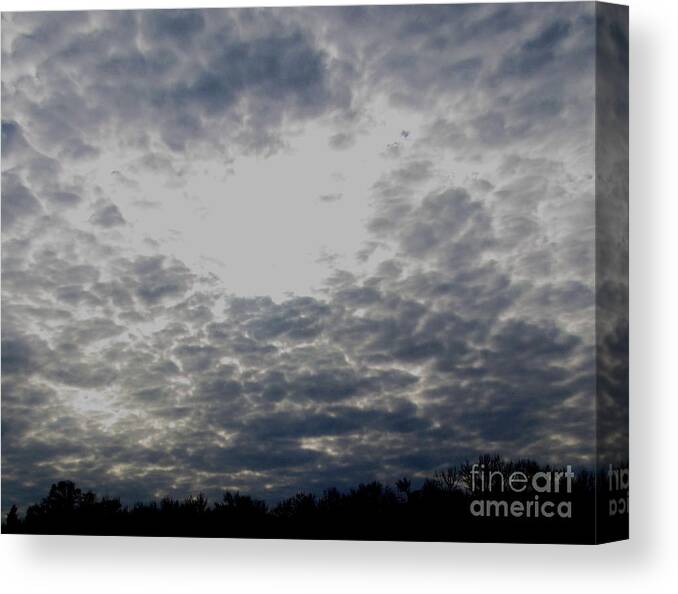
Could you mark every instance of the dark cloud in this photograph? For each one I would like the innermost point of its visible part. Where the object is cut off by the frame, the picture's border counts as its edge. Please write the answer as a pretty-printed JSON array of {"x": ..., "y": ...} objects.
[
  {"x": 18, "y": 202},
  {"x": 12, "y": 138},
  {"x": 536, "y": 52},
  {"x": 173, "y": 26},
  {"x": 107, "y": 215},
  {"x": 155, "y": 278},
  {"x": 251, "y": 71}
]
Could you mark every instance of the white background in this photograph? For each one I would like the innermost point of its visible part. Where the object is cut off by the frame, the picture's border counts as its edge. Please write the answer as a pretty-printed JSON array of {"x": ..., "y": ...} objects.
[{"x": 647, "y": 562}]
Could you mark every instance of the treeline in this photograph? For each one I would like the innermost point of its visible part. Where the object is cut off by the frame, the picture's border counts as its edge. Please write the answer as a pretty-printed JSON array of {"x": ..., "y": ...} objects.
[{"x": 437, "y": 510}]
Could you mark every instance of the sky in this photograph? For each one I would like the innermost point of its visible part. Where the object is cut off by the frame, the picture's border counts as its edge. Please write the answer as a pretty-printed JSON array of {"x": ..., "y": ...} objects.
[{"x": 284, "y": 249}]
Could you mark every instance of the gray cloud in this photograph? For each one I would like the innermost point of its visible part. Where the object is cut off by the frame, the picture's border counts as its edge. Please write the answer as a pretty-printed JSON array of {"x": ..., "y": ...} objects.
[
  {"x": 154, "y": 280},
  {"x": 330, "y": 198},
  {"x": 107, "y": 215},
  {"x": 341, "y": 141},
  {"x": 18, "y": 202},
  {"x": 246, "y": 72}
]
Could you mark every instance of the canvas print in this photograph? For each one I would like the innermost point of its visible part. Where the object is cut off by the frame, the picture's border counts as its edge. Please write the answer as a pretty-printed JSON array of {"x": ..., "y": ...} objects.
[{"x": 353, "y": 272}]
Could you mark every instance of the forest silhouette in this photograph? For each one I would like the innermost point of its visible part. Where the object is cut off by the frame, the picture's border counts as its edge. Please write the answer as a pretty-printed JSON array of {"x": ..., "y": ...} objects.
[{"x": 437, "y": 510}]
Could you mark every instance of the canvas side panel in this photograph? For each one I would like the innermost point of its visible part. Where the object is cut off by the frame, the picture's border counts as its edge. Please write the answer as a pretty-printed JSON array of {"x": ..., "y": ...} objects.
[{"x": 612, "y": 257}]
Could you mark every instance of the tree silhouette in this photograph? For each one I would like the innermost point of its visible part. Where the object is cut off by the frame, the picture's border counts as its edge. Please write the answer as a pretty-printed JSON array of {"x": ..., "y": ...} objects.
[
  {"x": 438, "y": 509},
  {"x": 12, "y": 522}
]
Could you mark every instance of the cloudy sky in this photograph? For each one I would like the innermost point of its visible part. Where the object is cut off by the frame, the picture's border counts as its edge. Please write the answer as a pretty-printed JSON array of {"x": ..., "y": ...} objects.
[{"x": 273, "y": 250}]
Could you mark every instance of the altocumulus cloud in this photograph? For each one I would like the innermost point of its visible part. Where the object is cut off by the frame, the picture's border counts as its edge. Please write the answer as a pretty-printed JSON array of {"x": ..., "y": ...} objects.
[{"x": 133, "y": 370}]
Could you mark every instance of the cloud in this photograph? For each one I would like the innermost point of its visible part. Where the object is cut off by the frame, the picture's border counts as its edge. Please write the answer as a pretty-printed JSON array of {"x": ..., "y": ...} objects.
[
  {"x": 341, "y": 141},
  {"x": 172, "y": 26},
  {"x": 327, "y": 198},
  {"x": 241, "y": 78},
  {"x": 457, "y": 320},
  {"x": 155, "y": 278},
  {"x": 18, "y": 202},
  {"x": 107, "y": 215}
]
